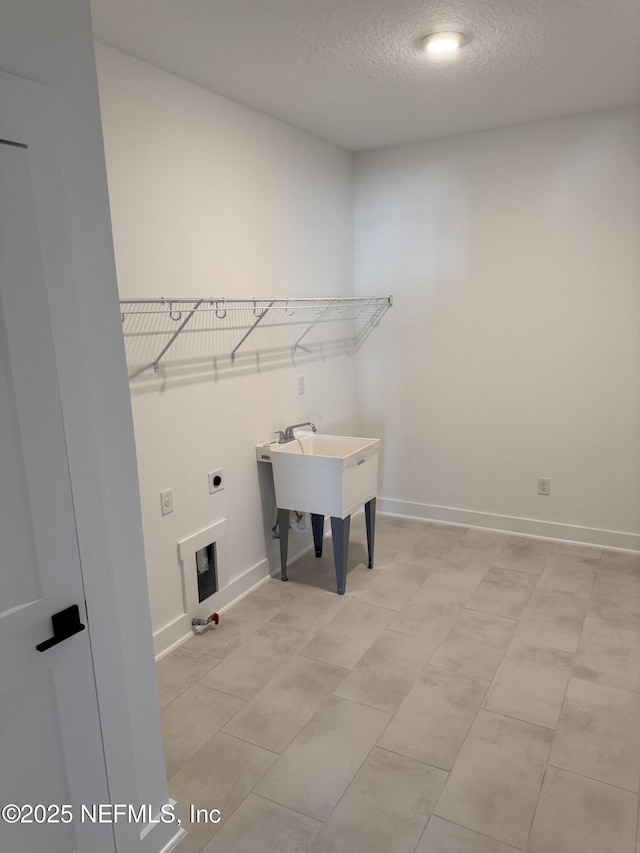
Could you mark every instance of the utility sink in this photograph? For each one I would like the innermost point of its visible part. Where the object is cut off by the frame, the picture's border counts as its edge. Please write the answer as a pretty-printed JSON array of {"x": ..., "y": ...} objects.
[{"x": 323, "y": 474}]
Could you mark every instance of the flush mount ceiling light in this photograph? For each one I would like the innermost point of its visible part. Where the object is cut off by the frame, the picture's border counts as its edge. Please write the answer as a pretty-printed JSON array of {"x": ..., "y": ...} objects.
[{"x": 444, "y": 43}]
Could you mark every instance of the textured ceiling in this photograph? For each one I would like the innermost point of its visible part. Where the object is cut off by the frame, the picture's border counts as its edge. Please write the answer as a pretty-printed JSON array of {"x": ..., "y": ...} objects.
[{"x": 350, "y": 71}]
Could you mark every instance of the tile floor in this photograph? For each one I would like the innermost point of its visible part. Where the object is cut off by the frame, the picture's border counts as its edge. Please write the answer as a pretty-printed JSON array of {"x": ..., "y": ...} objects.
[{"x": 474, "y": 693}]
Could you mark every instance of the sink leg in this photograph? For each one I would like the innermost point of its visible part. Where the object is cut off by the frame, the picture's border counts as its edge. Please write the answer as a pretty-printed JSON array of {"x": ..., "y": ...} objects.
[
  {"x": 370, "y": 519},
  {"x": 340, "y": 533},
  {"x": 317, "y": 525},
  {"x": 283, "y": 527}
]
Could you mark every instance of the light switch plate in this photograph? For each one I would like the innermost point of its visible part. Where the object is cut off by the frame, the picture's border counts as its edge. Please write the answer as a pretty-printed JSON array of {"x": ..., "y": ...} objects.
[{"x": 166, "y": 501}]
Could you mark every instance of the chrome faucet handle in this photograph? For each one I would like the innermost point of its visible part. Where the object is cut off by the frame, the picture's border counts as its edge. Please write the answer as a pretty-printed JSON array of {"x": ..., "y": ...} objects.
[{"x": 280, "y": 434}]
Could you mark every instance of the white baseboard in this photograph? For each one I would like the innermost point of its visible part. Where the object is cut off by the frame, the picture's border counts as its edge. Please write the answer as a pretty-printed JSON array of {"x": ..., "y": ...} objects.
[
  {"x": 169, "y": 637},
  {"x": 172, "y": 635},
  {"x": 613, "y": 539}
]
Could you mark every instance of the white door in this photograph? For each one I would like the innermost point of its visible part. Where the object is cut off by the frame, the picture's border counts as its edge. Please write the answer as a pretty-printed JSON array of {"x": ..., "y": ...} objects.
[{"x": 50, "y": 742}]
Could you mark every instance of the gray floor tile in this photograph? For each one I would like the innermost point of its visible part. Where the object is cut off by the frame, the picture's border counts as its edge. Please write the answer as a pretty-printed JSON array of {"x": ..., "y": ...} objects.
[
  {"x": 276, "y": 714},
  {"x": 432, "y": 629},
  {"x": 598, "y": 734},
  {"x": 384, "y": 809},
  {"x": 525, "y": 547},
  {"x": 178, "y": 670},
  {"x": 350, "y": 633},
  {"x": 609, "y": 651},
  {"x": 260, "y": 826},
  {"x": 311, "y": 610},
  {"x": 475, "y": 644},
  {"x": 386, "y": 672},
  {"x": 442, "y": 836},
  {"x": 394, "y": 586},
  {"x": 464, "y": 556},
  {"x": 570, "y": 549},
  {"x": 191, "y": 719},
  {"x": 568, "y": 576},
  {"x": 431, "y": 544},
  {"x": 461, "y": 569},
  {"x": 391, "y": 531},
  {"x": 236, "y": 625},
  {"x": 382, "y": 554},
  {"x": 305, "y": 570},
  {"x": 615, "y": 593},
  {"x": 311, "y": 572},
  {"x": 253, "y": 664},
  {"x": 529, "y": 566},
  {"x": 524, "y": 555},
  {"x": 578, "y": 815},
  {"x": 219, "y": 776},
  {"x": 550, "y": 621},
  {"x": 620, "y": 562},
  {"x": 503, "y": 593},
  {"x": 278, "y": 591},
  {"x": 316, "y": 768},
  {"x": 245, "y": 706},
  {"x": 531, "y": 686},
  {"x": 438, "y": 596},
  {"x": 357, "y": 541},
  {"x": 485, "y": 540},
  {"x": 435, "y": 717},
  {"x": 432, "y": 611},
  {"x": 359, "y": 578},
  {"x": 494, "y": 785},
  {"x": 358, "y": 574}
]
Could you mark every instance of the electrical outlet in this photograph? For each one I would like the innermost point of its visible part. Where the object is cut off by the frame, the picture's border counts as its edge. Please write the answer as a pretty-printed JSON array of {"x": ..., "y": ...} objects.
[
  {"x": 300, "y": 384},
  {"x": 166, "y": 501},
  {"x": 216, "y": 481},
  {"x": 544, "y": 486}
]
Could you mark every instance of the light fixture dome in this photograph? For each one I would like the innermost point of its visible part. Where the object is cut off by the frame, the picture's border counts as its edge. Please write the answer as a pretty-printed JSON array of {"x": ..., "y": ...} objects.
[{"x": 443, "y": 43}]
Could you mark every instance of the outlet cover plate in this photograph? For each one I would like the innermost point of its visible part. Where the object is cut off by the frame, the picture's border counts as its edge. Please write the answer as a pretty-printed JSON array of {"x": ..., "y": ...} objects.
[
  {"x": 213, "y": 476},
  {"x": 544, "y": 486}
]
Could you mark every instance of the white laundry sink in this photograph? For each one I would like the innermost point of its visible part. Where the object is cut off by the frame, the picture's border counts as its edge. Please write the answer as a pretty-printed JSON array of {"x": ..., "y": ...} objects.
[{"x": 331, "y": 475}]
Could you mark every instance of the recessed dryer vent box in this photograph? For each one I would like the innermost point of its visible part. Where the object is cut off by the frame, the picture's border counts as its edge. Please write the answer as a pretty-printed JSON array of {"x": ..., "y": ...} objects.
[
  {"x": 203, "y": 561},
  {"x": 206, "y": 575}
]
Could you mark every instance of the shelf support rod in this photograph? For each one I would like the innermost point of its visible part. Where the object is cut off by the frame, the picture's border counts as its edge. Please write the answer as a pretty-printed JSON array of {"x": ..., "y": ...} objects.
[
  {"x": 244, "y": 338},
  {"x": 364, "y": 333},
  {"x": 308, "y": 329},
  {"x": 156, "y": 362}
]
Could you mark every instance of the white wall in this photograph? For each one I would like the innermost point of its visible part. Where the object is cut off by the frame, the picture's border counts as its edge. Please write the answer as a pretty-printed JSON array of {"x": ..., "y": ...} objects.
[
  {"x": 52, "y": 44},
  {"x": 511, "y": 351},
  {"x": 212, "y": 198},
  {"x": 513, "y": 348}
]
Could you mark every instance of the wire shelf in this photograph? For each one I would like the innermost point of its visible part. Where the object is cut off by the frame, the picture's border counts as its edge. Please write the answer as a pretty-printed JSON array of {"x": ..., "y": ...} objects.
[{"x": 195, "y": 327}]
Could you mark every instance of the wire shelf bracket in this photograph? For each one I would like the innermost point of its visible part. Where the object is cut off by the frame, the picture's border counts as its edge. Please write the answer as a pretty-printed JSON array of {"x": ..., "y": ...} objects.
[
  {"x": 156, "y": 361},
  {"x": 257, "y": 323},
  {"x": 321, "y": 312}
]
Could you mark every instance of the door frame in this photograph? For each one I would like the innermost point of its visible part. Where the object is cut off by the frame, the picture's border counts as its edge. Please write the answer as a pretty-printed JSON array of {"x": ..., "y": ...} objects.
[
  {"x": 64, "y": 741},
  {"x": 98, "y": 427}
]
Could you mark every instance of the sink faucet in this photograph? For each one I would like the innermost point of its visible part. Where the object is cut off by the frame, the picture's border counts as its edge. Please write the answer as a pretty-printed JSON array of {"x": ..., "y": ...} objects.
[{"x": 288, "y": 433}]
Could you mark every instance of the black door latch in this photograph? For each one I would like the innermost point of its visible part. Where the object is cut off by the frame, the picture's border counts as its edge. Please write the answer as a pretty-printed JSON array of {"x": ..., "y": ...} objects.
[{"x": 66, "y": 623}]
